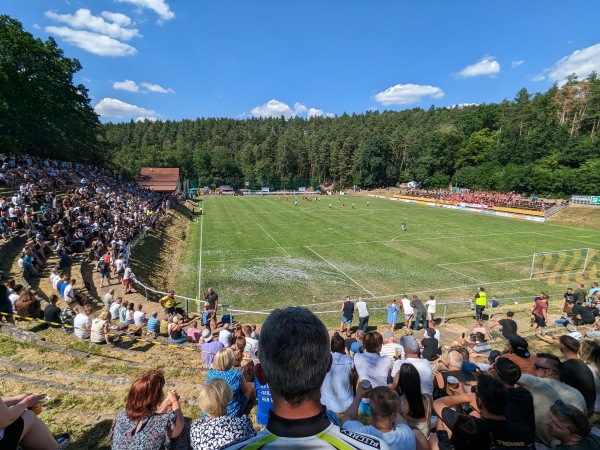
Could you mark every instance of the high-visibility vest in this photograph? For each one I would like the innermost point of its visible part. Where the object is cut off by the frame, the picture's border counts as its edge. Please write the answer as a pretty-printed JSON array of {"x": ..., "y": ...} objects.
[{"x": 482, "y": 299}]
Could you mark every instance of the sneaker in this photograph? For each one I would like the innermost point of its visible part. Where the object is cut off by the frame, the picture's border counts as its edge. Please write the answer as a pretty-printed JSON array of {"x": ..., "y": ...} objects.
[{"x": 64, "y": 440}]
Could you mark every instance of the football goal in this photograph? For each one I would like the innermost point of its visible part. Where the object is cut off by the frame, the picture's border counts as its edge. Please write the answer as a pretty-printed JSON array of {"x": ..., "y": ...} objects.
[{"x": 560, "y": 262}]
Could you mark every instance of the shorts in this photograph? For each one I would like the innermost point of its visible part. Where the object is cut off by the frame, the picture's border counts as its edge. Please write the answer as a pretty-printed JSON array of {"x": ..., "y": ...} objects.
[
  {"x": 540, "y": 321},
  {"x": 12, "y": 435},
  {"x": 346, "y": 321},
  {"x": 408, "y": 317}
]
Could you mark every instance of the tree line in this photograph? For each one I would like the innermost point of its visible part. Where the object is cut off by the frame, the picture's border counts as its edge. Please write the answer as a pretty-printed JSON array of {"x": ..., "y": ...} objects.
[{"x": 543, "y": 143}]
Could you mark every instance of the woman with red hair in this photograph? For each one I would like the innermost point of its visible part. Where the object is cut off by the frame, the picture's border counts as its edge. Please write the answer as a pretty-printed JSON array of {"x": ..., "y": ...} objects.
[{"x": 149, "y": 420}]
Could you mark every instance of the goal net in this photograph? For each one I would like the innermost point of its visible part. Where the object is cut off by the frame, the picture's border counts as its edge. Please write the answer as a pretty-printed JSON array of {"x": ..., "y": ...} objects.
[{"x": 560, "y": 262}]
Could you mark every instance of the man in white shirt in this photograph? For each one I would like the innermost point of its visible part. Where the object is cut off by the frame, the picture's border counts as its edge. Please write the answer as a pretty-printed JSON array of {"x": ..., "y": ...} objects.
[
  {"x": 139, "y": 317},
  {"x": 82, "y": 324},
  {"x": 69, "y": 294},
  {"x": 15, "y": 296},
  {"x": 109, "y": 298},
  {"x": 391, "y": 349},
  {"x": 411, "y": 348},
  {"x": 409, "y": 312},
  {"x": 114, "y": 308},
  {"x": 225, "y": 336},
  {"x": 251, "y": 344},
  {"x": 363, "y": 314}
]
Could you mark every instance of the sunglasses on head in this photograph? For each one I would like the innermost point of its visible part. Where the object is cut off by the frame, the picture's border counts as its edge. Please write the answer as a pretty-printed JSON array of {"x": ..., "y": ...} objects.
[{"x": 563, "y": 408}]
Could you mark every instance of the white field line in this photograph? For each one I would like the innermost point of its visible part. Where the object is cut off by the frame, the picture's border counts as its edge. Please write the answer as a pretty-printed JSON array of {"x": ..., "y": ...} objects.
[
  {"x": 267, "y": 233},
  {"x": 462, "y": 236},
  {"x": 563, "y": 238},
  {"x": 485, "y": 260},
  {"x": 342, "y": 272},
  {"x": 460, "y": 273},
  {"x": 200, "y": 255}
]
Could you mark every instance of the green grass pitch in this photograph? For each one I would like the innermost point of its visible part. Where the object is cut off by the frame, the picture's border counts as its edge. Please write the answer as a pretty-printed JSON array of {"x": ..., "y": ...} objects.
[{"x": 260, "y": 253}]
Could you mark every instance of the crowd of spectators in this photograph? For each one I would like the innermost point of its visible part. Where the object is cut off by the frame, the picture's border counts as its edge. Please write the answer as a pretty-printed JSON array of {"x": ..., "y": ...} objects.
[{"x": 489, "y": 199}]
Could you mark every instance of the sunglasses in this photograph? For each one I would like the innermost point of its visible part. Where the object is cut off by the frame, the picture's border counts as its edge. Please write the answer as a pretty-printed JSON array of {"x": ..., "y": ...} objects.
[{"x": 563, "y": 408}]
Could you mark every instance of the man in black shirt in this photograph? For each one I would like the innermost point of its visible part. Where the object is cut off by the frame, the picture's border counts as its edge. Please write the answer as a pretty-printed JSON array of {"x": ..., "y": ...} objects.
[
  {"x": 213, "y": 303},
  {"x": 509, "y": 326},
  {"x": 347, "y": 314},
  {"x": 52, "y": 312},
  {"x": 581, "y": 314},
  {"x": 520, "y": 401},
  {"x": 421, "y": 313}
]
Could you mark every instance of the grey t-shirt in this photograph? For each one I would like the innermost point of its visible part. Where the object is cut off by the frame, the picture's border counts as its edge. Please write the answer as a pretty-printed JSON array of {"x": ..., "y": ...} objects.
[{"x": 363, "y": 310}]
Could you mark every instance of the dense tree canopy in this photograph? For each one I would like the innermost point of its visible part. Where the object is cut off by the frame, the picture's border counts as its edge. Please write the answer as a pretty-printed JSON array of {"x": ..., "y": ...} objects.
[{"x": 41, "y": 111}]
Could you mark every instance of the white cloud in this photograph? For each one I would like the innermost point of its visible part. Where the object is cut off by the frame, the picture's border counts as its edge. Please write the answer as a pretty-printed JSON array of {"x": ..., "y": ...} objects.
[
  {"x": 126, "y": 85},
  {"x": 156, "y": 88},
  {"x": 485, "y": 66},
  {"x": 83, "y": 19},
  {"x": 160, "y": 7},
  {"x": 462, "y": 105},
  {"x": 95, "y": 43},
  {"x": 581, "y": 62},
  {"x": 517, "y": 63},
  {"x": 538, "y": 78},
  {"x": 275, "y": 108},
  {"x": 404, "y": 94},
  {"x": 313, "y": 112},
  {"x": 111, "y": 107}
]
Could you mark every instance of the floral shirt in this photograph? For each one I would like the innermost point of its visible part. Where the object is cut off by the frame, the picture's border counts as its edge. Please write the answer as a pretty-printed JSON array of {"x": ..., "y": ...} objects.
[
  {"x": 221, "y": 432},
  {"x": 67, "y": 316},
  {"x": 153, "y": 435}
]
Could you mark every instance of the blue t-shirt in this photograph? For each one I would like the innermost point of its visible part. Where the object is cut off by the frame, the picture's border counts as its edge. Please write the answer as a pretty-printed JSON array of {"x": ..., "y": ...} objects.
[
  {"x": 153, "y": 325},
  {"x": 400, "y": 437},
  {"x": 355, "y": 347},
  {"x": 234, "y": 379},
  {"x": 265, "y": 402}
]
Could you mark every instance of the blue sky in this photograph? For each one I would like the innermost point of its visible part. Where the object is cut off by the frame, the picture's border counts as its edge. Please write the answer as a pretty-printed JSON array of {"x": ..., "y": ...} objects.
[{"x": 178, "y": 59}]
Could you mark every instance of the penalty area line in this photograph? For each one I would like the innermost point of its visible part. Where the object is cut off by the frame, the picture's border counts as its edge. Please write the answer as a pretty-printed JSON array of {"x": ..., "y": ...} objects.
[
  {"x": 267, "y": 233},
  {"x": 342, "y": 272}
]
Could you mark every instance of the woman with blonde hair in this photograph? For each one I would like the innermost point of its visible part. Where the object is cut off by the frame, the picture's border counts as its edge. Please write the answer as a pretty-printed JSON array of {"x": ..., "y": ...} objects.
[
  {"x": 590, "y": 354},
  {"x": 149, "y": 420},
  {"x": 218, "y": 430},
  {"x": 222, "y": 367}
]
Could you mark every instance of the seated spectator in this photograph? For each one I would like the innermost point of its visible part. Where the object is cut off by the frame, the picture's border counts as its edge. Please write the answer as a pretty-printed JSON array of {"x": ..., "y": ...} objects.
[
  {"x": 20, "y": 427},
  {"x": 590, "y": 354},
  {"x": 357, "y": 345},
  {"x": 222, "y": 367},
  {"x": 489, "y": 399},
  {"x": 101, "y": 328},
  {"x": 18, "y": 289},
  {"x": 454, "y": 366},
  {"x": 154, "y": 324},
  {"x": 28, "y": 305},
  {"x": 123, "y": 310},
  {"x": 242, "y": 360},
  {"x": 82, "y": 324},
  {"x": 391, "y": 348},
  {"x": 52, "y": 312},
  {"x": 115, "y": 307},
  {"x": 218, "y": 430},
  {"x": 336, "y": 392},
  {"x": 139, "y": 317},
  {"x": 148, "y": 421},
  {"x": 263, "y": 397},
  {"x": 130, "y": 312},
  {"x": 386, "y": 423},
  {"x": 481, "y": 347},
  {"x": 571, "y": 427},
  {"x": 430, "y": 345},
  {"x": 177, "y": 334},
  {"x": 6, "y": 309},
  {"x": 414, "y": 406},
  {"x": 370, "y": 365},
  {"x": 465, "y": 436},
  {"x": 209, "y": 348},
  {"x": 518, "y": 352},
  {"x": 68, "y": 315},
  {"x": 225, "y": 335},
  {"x": 575, "y": 372},
  {"x": 412, "y": 350}
]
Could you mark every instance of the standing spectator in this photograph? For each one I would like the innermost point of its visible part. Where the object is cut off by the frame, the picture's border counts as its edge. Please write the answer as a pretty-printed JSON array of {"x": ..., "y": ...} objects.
[
  {"x": 392, "y": 314},
  {"x": 109, "y": 298},
  {"x": 209, "y": 348},
  {"x": 168, "y": 302},
  {"x": 219, "y": 429},
  {"x": 82, "y": 324},
  {"x": 128, "y": 277},
  {"x": 421, "y": 313},
  {"x": 104, "y": 269},
  {"x": 336, "y": 392},
  {"x": 251, "y": 343},
  {"x": 148, "y": 421},
  {"x": 575, "y": 372},
  {"x": 431, "y": 307},
  {"x": 120, "y": 267},
  {"x": 540, "y": 313},
  {"x": 480, "y": 302},
  {"x": 213, "y": 304},
  {"x": 52, "y": 312},
  {"x": 408, "y": 311},
  {"x": 579, "y": 294},
  {"x": 363, "y": 314},
  {"x": 347, "y": 314}
]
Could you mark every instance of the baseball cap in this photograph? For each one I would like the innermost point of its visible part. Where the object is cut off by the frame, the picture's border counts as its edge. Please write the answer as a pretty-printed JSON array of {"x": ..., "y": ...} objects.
[
  {"x": 519, "y": 346},
  {"x": 493, "y": 355},
  {"x": 410, "y": 344}
]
